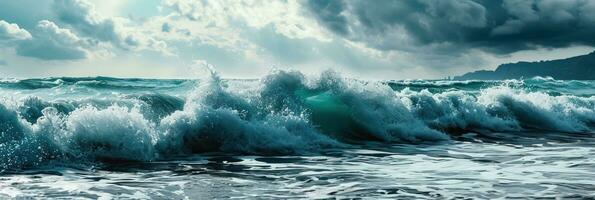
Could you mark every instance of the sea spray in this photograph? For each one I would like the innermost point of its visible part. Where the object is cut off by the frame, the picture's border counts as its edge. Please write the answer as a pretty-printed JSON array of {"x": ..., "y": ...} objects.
[
  {"x": 214, "y": 120},
  {"x": 284, "y": 112}
]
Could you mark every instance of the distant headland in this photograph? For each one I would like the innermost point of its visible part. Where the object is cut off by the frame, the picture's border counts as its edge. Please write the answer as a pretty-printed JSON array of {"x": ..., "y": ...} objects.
[{"x": 574, "y": 68}]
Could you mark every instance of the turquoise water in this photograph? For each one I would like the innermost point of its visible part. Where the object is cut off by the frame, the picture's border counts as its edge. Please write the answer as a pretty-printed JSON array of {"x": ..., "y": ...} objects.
[{"x": 288, "y": 135}]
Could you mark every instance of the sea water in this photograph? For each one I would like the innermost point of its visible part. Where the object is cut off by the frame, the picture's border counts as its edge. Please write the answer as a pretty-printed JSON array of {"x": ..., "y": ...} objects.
[{"x": 290, "y": 135}]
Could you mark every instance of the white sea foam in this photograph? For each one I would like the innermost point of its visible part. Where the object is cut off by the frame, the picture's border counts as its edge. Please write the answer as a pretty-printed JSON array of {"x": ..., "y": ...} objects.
[{"x": 285, "y": 112}]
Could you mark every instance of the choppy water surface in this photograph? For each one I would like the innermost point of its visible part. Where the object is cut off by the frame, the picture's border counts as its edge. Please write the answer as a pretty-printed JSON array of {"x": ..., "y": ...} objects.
[{"x": 288, "y": 135}]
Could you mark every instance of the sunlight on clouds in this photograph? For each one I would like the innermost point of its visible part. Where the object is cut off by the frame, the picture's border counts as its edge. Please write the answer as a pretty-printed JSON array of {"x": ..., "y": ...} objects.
[
  {"x": 110, "y": 8},
  {"x": 287, "y": 17},
  {"x": 10, "y": 31},
  {"x": 120, "y": 32}
]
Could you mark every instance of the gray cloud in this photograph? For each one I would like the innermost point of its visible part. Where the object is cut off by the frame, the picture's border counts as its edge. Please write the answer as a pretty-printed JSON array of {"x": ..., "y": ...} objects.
[
  {"x": 329, "y": 13},
  {"x": 51, "y": 42},
  {"x": 81, "y": 16},
  {"x": 3, "y": 63},
  {"x": 455, "y": 26}
]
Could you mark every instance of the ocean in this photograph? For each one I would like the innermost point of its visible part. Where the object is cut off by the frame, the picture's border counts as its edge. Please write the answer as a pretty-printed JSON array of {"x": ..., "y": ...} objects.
[{"x": 288, "y": 135}]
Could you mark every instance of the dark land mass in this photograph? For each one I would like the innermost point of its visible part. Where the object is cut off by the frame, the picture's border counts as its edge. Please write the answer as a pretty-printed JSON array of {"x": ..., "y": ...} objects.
[{"x": 574, "y": 68}]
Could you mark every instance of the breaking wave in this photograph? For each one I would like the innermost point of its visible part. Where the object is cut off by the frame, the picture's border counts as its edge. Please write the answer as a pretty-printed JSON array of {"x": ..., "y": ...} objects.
[{"x": 285, "y": 112}]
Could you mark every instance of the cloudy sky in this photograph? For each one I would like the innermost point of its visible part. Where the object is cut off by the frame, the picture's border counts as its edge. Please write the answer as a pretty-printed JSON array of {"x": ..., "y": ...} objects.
[{"x": 244, "y": 39}]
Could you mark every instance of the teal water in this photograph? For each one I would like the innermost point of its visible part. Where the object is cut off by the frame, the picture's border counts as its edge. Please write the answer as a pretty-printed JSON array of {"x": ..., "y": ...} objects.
[{"x": 288, "y": 135}]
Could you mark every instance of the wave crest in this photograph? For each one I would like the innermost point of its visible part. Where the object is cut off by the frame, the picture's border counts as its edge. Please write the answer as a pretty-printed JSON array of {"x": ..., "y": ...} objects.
[{"x": 285, "y": 112}]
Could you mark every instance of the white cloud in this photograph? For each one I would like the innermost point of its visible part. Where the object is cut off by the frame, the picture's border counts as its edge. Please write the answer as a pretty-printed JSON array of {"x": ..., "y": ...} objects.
[
  {"x": 120, "y": 32},
  {"x": 10, "y": 31},
  {"x": 223, "y": 23},
  {"x": 110, "y": 8}
]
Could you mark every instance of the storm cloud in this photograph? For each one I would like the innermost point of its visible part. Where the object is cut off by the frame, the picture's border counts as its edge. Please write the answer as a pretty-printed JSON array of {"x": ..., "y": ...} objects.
[{"x": 445, "y": 26}]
